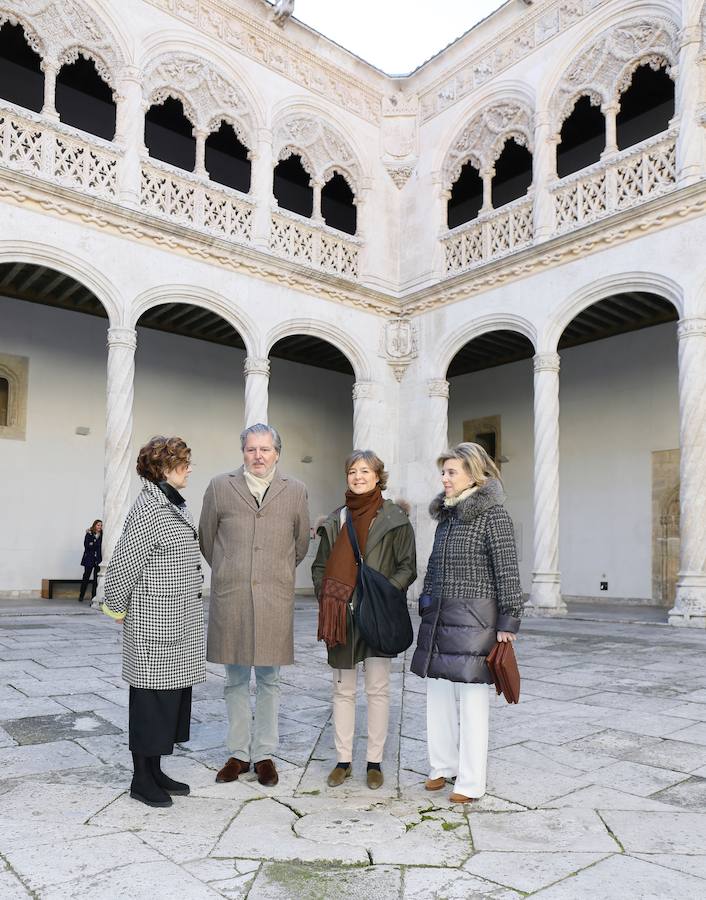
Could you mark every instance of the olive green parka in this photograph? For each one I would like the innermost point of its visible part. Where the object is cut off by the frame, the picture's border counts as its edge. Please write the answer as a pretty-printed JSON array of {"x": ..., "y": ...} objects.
[{"x": 390, "y": 549}]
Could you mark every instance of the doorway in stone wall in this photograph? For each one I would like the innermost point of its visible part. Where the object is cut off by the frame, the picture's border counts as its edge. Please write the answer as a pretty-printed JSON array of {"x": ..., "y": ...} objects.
[{"x": 665, "y": 525}]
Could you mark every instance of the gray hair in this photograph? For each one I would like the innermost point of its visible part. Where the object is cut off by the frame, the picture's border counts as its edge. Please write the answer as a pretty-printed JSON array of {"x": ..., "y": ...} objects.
[{"x": 260, "y": 428}]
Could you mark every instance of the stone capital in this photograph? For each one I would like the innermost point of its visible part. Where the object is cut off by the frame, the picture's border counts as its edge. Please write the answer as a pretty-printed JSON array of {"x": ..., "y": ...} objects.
[
  {"x": 122, "y": 337},
  {"x": 691, "y": 326},
  {"x": 365, "y": 390},
  {"x": 438, "y": 387},
  {"x": 256, "y": 366},
  {"x": 546, "y": 362}
]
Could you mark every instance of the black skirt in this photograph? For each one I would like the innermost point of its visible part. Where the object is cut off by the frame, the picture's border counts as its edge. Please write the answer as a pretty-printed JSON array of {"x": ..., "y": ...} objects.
[{"x": 158, "y": 720}]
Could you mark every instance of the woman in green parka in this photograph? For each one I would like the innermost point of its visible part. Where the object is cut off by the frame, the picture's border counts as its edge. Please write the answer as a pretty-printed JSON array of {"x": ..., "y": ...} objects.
[{"x": 386, "y": 541}]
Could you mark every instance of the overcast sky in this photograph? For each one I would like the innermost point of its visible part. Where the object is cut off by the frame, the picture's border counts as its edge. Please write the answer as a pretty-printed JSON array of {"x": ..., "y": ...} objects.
[{"x": 394, "y": 35}]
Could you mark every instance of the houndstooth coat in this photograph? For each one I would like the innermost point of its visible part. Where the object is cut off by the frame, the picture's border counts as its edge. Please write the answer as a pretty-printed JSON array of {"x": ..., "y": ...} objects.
[{"x": 154, "y": 577}]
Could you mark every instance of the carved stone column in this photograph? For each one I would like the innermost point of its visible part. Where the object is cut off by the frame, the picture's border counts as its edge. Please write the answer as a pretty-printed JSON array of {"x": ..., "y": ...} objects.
[
  {"x": 366, "y": 402},
  {"x": 200, "y": 164},
  {"x": 316, "y": 214},
  {"x": 688, "y": 97},
  {"x": 50, "y": 69},
  {"x": 545, "y": 596},
  {"x": 611, "y": 129},
  {"x": 130, "y": 133},
  {"x": 261, "y": 189},
  {"x": 257, "y": 382},
  {"x": 487, "y": 175},
  {"x": 118, "y": 434},
  {"x": 543, "y": 175},
  {"x": 690, "y": 603}
]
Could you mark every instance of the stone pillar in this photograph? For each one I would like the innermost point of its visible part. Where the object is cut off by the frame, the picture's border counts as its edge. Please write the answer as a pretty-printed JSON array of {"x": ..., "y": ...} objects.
[
  {"x": 543, "y": 175},
  {"x": 690, "y": 603},
  {"x": 130, "y": 133},
  {"x": 261, "y": 189},
  {"x": 545, "y": 596},
  {"x": 316, "y": 214},
  {"x": 257, "y": 381},
  {"x": 200, "y": 164},
  {"x": 688, "y": 98},
  {"x": 366, "y": 406},
  {"x": 487, "y": 176},
  {"x": 611, "y": 129},
  {"x": 50, "y": 69},
  {"x": 118, "y": 434}
]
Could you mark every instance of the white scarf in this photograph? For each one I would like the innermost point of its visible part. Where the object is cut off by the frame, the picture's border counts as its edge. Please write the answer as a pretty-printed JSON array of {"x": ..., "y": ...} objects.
[
  {"x": 257, "y": 485},
  {"x": 457, "y": 498}
]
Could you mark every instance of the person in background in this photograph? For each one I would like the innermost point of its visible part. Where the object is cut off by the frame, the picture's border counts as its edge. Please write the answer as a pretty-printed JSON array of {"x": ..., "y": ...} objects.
[
  {"x": 91, "y": 559},
  {"x": 471, "y": 599},
  {"x": 154, "y": 583},
  {"x": 386, "y": 539}
]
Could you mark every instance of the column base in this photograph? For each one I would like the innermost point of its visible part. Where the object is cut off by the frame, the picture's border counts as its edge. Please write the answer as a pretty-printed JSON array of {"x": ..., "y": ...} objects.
[
  {"x": 689, "y": 609},
  {"x": 545, "y": 596}
]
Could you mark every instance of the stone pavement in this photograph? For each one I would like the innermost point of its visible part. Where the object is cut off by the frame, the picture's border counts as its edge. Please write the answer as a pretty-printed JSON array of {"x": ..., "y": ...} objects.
[{"x": 597, "y": 779}]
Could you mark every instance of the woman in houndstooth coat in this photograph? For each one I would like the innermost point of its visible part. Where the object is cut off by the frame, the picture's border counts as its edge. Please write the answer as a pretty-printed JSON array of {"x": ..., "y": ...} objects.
[{"x": 153, "y": 585}]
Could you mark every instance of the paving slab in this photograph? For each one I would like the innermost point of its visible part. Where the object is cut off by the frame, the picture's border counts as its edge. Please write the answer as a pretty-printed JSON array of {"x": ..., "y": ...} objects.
[
  {"x": 546, "y": 831},
  {"x": 658, "y": 832},
  {"x": 448, "y": 884},
  {"x": 529, "y": 872},
  {"x": 70, "y": 725},
  {"x": 682, "y": 862}
]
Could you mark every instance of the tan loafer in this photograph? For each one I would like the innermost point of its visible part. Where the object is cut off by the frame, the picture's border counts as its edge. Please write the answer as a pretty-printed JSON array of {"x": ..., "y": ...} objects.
[
  {"x": 461, "y": 798},
  {"x": 375, "y": 779},
  {"x": 338, "y": 775},
  {"x": 434, "y": 784}
]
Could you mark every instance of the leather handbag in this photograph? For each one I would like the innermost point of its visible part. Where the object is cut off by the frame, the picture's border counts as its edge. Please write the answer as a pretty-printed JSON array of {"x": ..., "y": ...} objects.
[
  {"x": 503, "y": 669},
  {"x": 381, "y": 615}
]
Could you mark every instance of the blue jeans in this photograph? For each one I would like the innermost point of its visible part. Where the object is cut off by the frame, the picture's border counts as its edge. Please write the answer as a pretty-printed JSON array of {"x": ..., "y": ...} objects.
[{"x": 261, "y": 741}]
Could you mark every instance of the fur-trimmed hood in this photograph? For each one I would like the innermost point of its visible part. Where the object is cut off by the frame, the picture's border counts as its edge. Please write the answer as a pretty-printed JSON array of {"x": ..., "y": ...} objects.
[{"x": 489, "y": 495}]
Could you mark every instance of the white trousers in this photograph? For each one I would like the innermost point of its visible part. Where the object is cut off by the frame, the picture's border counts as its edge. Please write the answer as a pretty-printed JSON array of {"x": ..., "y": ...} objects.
[
  {"x": 458, "y": 746},
  {"x": 377, "y": 688}
]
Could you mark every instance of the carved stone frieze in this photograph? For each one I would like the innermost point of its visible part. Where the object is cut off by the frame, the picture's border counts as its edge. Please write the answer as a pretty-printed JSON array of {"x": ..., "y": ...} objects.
[
  {"x": 400, "y": 174},
  {"x": 481, "y": 141},
  {"x": 268, "y": 45},
  {"x": 322, "y": 148},
  {"x": 208, "y": 95},
  {"x": 605, "y": 68},
  {"x": 61, "y": 29}
]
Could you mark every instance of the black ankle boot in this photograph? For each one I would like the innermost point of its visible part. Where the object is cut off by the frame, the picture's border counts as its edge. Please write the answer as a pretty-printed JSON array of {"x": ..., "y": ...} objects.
[
  {"x": 165, "y": 782},
  {"x": 144, "y": 787}
]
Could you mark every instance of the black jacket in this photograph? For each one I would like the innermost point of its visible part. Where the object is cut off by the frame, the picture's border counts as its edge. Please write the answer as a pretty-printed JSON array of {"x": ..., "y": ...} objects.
[
  {"x": 474, "y": 587},
  {"x": 92, "y": 550}
]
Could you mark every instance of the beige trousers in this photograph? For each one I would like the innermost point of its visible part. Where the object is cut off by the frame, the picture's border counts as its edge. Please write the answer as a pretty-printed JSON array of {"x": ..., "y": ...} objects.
[{"x": 377, "y": 688}]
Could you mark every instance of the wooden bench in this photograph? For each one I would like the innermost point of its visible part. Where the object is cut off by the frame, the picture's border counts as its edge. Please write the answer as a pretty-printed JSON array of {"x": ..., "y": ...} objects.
[{"x": 55, "y": 588}]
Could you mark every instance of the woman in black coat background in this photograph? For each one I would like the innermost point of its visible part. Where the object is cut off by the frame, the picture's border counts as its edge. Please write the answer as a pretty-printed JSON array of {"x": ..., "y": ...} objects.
[
  {"x": 471, "y": 599},
  {"x": 91, "y": 559}
]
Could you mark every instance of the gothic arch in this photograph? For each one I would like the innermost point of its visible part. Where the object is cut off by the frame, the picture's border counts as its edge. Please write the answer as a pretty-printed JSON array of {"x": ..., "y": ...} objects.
[
  {"x": 316, "y": 328},
  {"x": 602, "y": 288},
  {"x": 197, "y": 296},
  {"x": 481, "y": 140},
  {"x": 486, "y": 324},
  {"x": 207, "y": 94},
  {"x": 71, "y": 54},
  {"x": 600, "y": 70},
  {"x": 84, "y": 272},
  {"x": 31, "y": 35}
]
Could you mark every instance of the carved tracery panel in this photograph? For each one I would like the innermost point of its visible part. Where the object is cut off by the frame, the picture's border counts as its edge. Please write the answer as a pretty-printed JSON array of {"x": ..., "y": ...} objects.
[{"x": 321, "y": 147}]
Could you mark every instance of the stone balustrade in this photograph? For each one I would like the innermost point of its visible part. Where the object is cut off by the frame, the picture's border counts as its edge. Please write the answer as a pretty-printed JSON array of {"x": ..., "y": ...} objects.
[
  {"x": 294, "y": 238},
  {"x": 490, "y": 236}
]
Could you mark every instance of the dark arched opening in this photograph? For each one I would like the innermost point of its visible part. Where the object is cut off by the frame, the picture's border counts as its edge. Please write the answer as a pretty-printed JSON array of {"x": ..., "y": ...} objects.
[
  {"x": 227, "y": 160},
  {"x": 513, "y": 173},
  {"x": 582, "y": 138},
  {"x": 84, "y": 100},
  {"x": 291, "y": 186},
  {"x": 646, "y": 106},
  {"x": 338, "y": 204},
  {"x": 21, "y": 76},
  {"x": 4, "y": 402},
  {"x": 169, "y": 134},
  {"x": 466, "y": 197}
]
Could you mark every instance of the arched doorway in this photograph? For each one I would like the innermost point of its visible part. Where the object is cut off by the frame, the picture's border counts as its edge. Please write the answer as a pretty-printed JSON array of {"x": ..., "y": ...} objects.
[{"x": 619, "y": 450}]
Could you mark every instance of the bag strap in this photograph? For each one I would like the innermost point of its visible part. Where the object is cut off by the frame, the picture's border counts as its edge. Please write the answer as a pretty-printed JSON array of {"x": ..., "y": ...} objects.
[{"x": 353, "y": 538}]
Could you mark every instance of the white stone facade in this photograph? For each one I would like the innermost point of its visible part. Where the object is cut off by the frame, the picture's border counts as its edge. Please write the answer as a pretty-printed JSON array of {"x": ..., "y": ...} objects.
[{"x": 404, "y": 294}]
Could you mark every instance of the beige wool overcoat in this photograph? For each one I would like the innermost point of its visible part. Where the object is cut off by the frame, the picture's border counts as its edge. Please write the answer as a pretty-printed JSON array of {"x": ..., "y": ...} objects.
[{"x": 253, "y": 552}]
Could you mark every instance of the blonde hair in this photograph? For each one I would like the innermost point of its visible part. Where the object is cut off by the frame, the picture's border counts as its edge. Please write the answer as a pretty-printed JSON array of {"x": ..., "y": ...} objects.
[
  {"x": 373, "y": 460},
  {"x": 476, "y": 462}
]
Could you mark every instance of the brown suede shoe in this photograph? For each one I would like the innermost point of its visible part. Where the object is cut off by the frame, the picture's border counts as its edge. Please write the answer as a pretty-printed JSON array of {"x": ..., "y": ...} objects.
[
  {"x": 338, "y": 775},
  {"x": 232, "y": 769},
  {"x": 375, "y": 779},
  {"x": 461, "y": 798},
  {"x": 266, "y": 773},
  {"x": 434, "y": 784}
]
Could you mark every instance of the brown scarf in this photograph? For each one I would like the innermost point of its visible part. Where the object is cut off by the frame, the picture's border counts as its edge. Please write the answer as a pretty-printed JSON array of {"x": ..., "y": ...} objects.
[{"x": 341, "y": 572}]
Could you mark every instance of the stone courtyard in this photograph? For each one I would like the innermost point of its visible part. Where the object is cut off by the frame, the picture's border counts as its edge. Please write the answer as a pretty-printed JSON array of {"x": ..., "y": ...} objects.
[{"x": 597, "y": 779}]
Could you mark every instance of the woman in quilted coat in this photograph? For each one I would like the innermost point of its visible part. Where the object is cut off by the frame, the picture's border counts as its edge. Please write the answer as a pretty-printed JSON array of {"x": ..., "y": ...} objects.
[
  {"x": 153, "y": 585},
  {"x": 471, "y": 598}
]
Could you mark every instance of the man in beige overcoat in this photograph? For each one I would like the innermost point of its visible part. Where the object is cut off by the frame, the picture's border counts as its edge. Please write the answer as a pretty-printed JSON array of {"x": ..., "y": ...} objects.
[{"x": 254, "y": 532}]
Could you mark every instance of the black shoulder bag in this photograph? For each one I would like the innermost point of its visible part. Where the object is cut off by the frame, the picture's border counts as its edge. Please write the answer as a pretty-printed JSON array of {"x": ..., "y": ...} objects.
[{"x": 381, "y": 614}]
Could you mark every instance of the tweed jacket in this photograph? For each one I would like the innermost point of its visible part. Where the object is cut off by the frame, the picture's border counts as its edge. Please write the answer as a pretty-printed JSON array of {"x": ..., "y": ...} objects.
[
  {"x": 253, "y": 552},
  {"x": 154, "y": 578},
  {"x": 472, "y": 587}
]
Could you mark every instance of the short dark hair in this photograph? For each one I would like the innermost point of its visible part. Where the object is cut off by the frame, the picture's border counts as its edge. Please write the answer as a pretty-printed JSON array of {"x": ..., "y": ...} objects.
[
  {"x": 161, "y": 454},
  {"x": 373, "y": 460}
]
